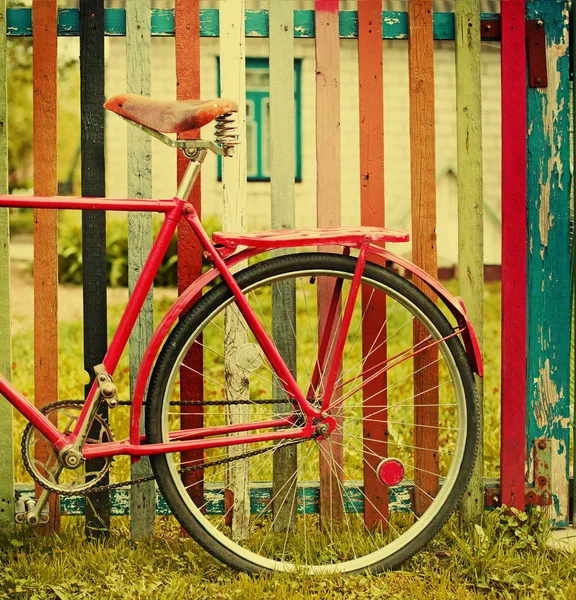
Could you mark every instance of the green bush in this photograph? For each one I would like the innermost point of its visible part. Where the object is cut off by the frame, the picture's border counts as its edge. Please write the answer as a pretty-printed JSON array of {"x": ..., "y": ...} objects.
[{"x": 70, "y": 254}]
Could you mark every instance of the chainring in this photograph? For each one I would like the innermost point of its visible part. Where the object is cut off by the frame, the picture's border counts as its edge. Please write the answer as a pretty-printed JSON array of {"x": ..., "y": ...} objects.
[{"x": 41, "y": 459}]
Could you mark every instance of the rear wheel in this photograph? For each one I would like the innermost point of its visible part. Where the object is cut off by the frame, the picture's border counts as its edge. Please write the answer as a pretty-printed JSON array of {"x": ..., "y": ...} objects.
[{"x": 373, "y": 492}]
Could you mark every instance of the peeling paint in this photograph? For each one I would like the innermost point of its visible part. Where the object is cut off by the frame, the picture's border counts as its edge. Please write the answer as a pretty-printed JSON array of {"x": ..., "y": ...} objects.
[
  {"x": 546, "y": 398},
  {"x": 552, "y": 106}
]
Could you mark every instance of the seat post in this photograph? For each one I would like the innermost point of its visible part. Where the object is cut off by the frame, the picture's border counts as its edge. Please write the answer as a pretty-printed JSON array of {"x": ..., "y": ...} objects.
[{"x": 196, "y": 156}]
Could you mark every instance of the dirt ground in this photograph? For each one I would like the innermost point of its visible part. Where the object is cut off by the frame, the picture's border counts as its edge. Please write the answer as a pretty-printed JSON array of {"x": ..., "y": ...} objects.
[{"x": 69, "y": 296}]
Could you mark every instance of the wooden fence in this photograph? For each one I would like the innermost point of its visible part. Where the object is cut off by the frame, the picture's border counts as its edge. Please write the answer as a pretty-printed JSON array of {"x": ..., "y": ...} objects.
[{"x": 535, "y": 194}]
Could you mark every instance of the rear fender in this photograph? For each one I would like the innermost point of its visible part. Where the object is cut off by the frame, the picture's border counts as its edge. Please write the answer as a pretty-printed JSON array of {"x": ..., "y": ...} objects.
[{"x": 454, "y": 305}]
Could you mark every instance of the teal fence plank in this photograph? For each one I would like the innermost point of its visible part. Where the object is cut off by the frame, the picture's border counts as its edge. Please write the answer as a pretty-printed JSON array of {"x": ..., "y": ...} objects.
[
  {"x": 394, "y": 24},
  {"x": 548, "y": 394}
]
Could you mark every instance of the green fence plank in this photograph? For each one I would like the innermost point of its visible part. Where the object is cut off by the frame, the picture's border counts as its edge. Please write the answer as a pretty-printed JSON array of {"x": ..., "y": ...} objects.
[
  {"x": 394, "y": 25},
  {"x": 470, "y": 203},
  {"x": 6, "y": 449},
  {"x": 548, "y": 397},
  {"x": 139, "y": 81}
]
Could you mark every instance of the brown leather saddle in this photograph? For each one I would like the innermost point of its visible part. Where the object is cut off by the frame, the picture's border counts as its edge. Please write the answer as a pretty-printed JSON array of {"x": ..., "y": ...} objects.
[{"x": 176, "y": 116}]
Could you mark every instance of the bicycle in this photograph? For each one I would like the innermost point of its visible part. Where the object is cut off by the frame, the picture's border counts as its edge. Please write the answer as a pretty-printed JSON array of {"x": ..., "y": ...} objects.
[{"x": 290, "y": 400}]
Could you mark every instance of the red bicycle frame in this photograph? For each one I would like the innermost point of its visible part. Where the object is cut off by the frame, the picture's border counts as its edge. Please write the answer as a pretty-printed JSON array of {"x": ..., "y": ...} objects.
[{"x": 223, "y": 257}]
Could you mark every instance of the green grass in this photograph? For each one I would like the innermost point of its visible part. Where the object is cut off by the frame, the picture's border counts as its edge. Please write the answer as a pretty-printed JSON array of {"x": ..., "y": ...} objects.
[{"x": 504, "y": 557}]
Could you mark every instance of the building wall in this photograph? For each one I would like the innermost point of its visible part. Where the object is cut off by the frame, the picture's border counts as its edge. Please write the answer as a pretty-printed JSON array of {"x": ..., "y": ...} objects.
[{"x": 397, "y": 148}]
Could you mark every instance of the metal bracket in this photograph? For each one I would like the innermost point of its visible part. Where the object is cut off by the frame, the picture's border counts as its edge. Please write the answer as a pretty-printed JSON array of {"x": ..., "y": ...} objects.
[
  {"x": 535, "y": 44},
  {"x": 106, "y": 385},
  {"x": 191, "y": 148},
  {"x": 539, "y": 494}
]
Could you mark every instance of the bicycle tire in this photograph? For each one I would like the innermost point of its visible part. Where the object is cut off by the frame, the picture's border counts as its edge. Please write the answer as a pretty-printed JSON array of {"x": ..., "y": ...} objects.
[{"x": 217, "y": 540}]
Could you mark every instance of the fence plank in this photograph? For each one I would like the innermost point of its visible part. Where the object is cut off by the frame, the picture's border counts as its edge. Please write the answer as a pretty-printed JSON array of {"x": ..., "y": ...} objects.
[
  {"x": 283, "y": 166},
  {"x": 328, "y": 210},
  {"x": 233, "y": 81},
  {"x": 513, "y": 453},
  {"x": 93, "y": 222},
  {"x": 45, "y": 78},
  {"x": 470, "y": 205},
  {"x": 138, "y": 81},
  {"x": 374, "y": 350},
  {"x": 423, "y": 186},
  {"x": 6, "y": 448},
  {"x": 549, "y": 254},
  {"x": 187, "y": 17}
]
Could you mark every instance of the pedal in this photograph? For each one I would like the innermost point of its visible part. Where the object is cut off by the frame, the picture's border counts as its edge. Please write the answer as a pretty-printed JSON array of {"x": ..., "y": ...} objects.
[
  {"x": 20, "y": 512},
  {"x": 25, "y": 513},
  {"x": 106, "y": 386}
]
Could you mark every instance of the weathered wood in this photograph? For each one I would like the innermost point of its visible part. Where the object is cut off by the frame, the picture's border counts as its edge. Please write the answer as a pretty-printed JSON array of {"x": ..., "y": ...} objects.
[
  {"x": 328, "y": 213},
  {"x": 374, "y": 347},
  {"x": 261, "y": 493},
  {"x": 424, "y": 254},
  {"x": 233, "y": 81},
  {"x": 93, "y": 222},
  {"x": 283, "y": 165},
  {"x": 513, "y": 446},
  {"x": 549, "y": 254},
  {"x": 395, "y": 23},
  {"x": 470, "y": 207},
  {"x": 6, "y": 448},
  {"x": 187, "y": 17},
  {"x": 45, "y": 78},
  {"x": 573, "y": 253},
  {"x": 138, "y": 81}
]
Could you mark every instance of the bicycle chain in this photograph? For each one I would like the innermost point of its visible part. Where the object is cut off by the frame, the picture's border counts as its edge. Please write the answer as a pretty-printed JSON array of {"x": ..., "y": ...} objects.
[{"x": 145, "y": 479}]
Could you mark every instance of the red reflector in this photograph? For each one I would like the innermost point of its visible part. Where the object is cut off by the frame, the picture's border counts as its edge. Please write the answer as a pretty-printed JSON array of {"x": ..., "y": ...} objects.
[{"x": 390, "y": 471}]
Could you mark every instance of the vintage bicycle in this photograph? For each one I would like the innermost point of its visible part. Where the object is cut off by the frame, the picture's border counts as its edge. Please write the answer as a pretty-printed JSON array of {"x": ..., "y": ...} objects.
[{"x": 273, "y": 466}]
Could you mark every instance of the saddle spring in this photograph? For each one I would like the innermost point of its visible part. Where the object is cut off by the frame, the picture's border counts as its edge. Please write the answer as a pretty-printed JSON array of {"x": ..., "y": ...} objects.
[{"x": 227, "y": 133}]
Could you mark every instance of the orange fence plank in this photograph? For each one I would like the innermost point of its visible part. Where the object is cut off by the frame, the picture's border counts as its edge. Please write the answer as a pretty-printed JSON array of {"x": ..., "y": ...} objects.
[
  {"x": 45, "y": 79},
  {"x": 374, "y": 349},
  {"x": 423, "y": 187}
]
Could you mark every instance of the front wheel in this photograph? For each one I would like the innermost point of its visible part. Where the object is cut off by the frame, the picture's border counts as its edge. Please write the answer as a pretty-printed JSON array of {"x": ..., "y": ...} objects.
[{"x": 376, "y": 489}]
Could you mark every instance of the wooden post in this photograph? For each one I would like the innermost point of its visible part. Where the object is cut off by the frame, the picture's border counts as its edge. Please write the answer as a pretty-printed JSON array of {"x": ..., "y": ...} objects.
[
  {"x": 470, "y": 207},
  {"x": 93, "y": 223},
  {"x": 283, "y": 166},
  {"x": 138, "y": 81},
  {"x": 548, "y": 183},
  {"x": 573, "y": 256},
  {"x": 45, "y": 79},
  {"x": 233, "y": 80},
  {"x": 328, "y": 210},
  {"x": 423, "y": 170},
  {"x": 187, "y": 26},
  {"x": 513, "y": 446},
  {"x": 6, "y": 447},
  {"x": 374, "y": 347}
]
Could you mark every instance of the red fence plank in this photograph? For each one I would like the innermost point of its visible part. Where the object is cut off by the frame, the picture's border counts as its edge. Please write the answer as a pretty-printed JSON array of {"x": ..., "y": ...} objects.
[
  {"x": 45, "y": 76},
  {"x": 187, "y": 27},
  {"x": 374, "y": 350},
  {"x": 328, "y": 209},
  {"x": 423, "y": 171},
  {"x": 513, "y": 446}
]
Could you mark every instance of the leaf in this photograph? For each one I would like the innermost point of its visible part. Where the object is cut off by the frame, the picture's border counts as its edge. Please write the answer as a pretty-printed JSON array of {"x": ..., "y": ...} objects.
[{"x": 16, "y": 543}]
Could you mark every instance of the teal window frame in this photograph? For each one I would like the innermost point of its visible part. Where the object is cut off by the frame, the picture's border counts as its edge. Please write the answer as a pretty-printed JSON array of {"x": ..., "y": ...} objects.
[{"x": 257, "y": 114}]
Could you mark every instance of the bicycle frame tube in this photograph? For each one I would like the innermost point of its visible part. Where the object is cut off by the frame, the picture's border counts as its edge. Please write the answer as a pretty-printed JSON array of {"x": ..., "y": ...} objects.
[{"x": 172, "y": 210}]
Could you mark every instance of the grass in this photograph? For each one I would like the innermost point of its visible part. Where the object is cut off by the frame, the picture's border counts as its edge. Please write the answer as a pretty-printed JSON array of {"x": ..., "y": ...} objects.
[{"x": 503, "y": 557}]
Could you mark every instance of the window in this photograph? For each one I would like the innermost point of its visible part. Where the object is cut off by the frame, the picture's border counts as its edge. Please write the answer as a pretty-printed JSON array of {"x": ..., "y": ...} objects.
[{"x": 258, "y": 120}]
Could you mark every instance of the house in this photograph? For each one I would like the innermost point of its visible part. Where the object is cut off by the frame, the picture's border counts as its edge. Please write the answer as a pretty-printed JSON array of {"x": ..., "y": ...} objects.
[{"x": 397, "y": 147}]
